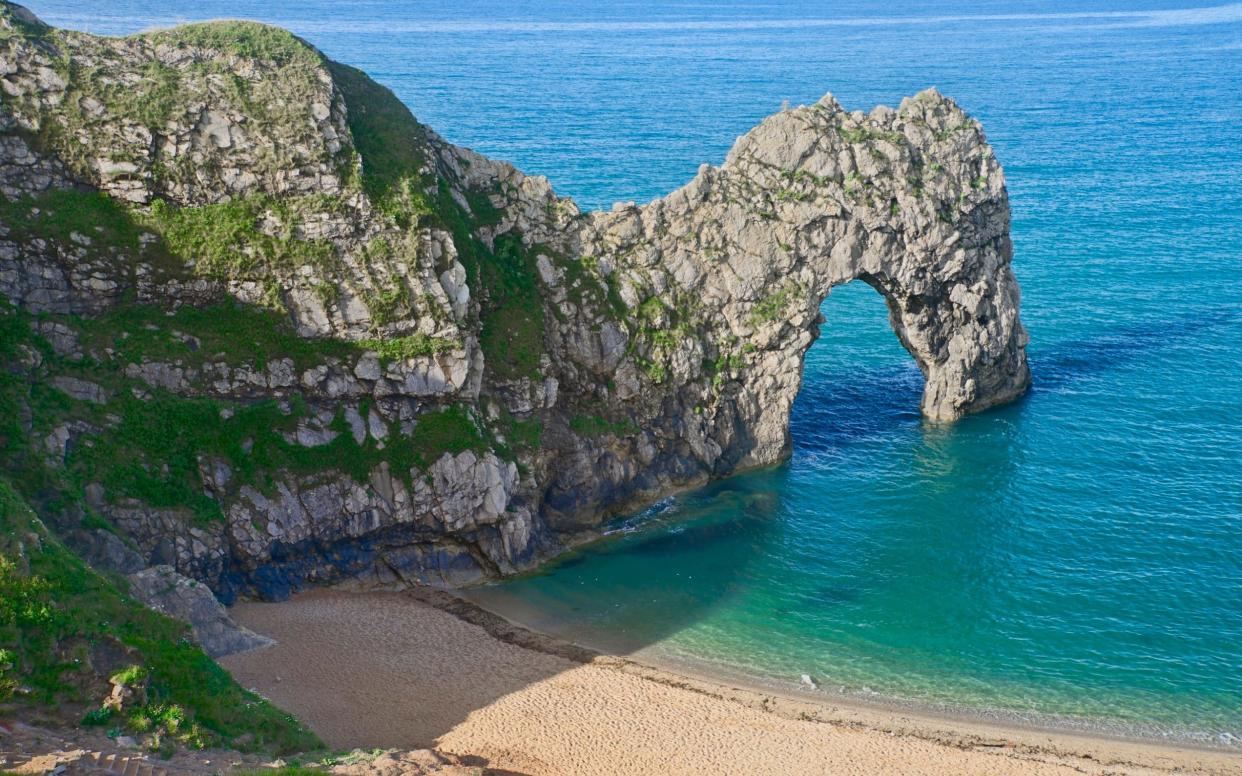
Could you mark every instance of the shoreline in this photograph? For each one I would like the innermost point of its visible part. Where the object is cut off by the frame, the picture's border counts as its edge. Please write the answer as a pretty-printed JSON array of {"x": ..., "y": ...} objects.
[
  {"x": 722, "y": 675},
  {"x": 434, "y": 669},
  {"x": 940, "y": 725},
  {"x": 949, "y": 717},
  {"x": 713, "y": 674}
]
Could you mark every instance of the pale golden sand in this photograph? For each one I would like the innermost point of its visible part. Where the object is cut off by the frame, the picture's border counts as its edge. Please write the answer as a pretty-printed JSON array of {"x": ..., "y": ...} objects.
[{"x": 388, "y": 670}]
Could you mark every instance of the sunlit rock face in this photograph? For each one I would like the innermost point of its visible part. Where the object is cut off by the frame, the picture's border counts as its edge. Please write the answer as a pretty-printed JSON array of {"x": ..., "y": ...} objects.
[
  {"x": 720, "y": 284},
  {"x": 462, "y": 373}
]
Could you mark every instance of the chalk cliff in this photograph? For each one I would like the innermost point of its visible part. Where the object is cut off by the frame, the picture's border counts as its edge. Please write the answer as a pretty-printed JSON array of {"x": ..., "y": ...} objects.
[{"x": 266, "y": 329}]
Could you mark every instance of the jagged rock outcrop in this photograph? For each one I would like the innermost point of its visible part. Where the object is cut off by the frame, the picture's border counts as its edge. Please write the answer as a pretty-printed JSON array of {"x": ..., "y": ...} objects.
[
  {"x": 294, "y": 336},
  {"x": 162, "y": 588}
]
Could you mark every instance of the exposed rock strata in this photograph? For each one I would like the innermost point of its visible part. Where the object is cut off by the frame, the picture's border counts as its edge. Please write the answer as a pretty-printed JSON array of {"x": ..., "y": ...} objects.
[{"x": 598, "y": 360}]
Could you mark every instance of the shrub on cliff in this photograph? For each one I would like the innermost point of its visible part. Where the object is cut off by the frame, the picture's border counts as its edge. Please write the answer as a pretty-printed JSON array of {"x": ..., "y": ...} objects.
[{"x": 70, "y": 636}]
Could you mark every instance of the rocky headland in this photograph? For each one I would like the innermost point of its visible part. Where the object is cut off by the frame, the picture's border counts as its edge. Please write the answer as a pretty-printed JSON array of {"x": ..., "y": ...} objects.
[
  {"x": 267, "y": 330},
  {"x": 263, "y": 330}
]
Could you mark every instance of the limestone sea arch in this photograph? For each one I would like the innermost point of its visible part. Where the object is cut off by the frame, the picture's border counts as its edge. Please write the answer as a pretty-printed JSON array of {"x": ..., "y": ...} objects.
[{"x": 406, "y": 361}]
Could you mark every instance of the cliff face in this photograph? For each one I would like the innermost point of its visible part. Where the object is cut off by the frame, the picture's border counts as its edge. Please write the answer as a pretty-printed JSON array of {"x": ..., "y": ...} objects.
[{"x": 269, "y": 330}]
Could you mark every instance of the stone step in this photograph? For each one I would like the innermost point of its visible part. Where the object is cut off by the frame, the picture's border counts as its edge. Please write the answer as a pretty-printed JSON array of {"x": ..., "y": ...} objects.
[{"x": 112, "y": 763}]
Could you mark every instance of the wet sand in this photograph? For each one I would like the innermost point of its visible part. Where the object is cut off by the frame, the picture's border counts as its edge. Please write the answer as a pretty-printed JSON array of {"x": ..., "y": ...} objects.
[{"x": 404, "y": 671}]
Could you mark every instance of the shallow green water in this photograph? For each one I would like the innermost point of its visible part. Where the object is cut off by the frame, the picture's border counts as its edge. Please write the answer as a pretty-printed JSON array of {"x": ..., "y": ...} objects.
[{"x": 983, "y": 568}]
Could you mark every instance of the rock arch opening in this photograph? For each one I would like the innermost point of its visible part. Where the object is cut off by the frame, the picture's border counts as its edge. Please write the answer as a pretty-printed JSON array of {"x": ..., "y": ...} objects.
[
  {"x": 858, "y": 379},
  {"x": 725, "y": 278}
]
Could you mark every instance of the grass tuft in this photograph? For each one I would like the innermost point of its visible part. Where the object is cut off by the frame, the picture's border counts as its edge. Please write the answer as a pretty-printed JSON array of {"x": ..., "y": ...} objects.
[
  {"x": 247, "y": 39},
  {"x": 513, "y": 324},
  {"x": 412, "y": 346}
]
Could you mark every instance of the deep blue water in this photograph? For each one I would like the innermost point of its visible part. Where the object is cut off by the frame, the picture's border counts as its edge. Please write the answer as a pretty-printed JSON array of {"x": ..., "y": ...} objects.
[{"x": 1075, "y": 557}]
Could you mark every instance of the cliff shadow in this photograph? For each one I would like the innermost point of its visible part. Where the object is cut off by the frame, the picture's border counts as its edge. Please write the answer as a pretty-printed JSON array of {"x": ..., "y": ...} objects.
[{"x": 386, "y": 670}]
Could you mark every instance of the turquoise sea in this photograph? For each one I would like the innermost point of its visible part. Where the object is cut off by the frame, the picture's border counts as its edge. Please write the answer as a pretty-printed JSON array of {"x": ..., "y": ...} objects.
[{"x": 1073, "y": 559}]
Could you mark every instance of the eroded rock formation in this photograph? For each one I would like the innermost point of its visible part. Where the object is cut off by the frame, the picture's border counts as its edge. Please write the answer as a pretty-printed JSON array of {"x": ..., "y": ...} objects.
[{"x": 289, "y": 335}]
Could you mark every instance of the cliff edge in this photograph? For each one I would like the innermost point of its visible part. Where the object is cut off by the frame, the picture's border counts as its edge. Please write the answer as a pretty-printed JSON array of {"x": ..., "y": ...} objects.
[{"x": 266, "y": 329}]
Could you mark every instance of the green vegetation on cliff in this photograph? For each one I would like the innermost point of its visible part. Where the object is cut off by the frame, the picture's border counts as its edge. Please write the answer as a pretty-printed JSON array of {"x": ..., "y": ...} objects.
[
  {"x": 513, "y": 325},
  {"x": 226, "y": 332},
  {"x": 412, "y": 346},
  {"x": 401, "y": 181},
  {"x": 596, "y": 425},
  {"x": 283, "y": 79},
  {"x": 220, "y": 241},
  {"x": 241, "y": 38},
  {"x": 772, "y": 307},
  {"x": 586, "y": 286},
  {"x": 390, "y": 141},
  {"x": 65, "y": 630},
  {"x": 225, "y": 241},
  {"x": 150, "y": 444},
  {"x": 58, "y": 214}
]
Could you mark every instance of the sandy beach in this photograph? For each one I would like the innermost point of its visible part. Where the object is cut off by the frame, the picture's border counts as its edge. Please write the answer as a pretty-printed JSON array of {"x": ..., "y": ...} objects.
[{"x": 399, "y": 670}]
